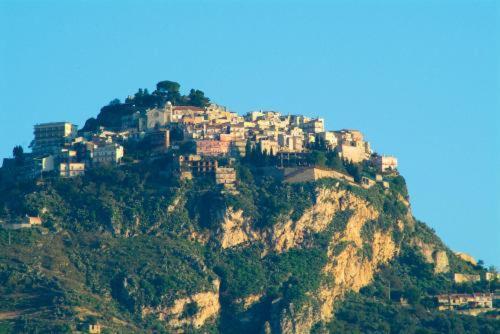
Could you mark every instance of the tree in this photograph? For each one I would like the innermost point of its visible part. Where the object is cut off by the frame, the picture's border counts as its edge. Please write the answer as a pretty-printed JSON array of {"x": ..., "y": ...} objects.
[
  {"x": 317, "y": 158},
  {"x": 197, "y": 98},
  {"x": 91, "y": 124},
  {"x": 354, "y": 170},
  {"x": 18, "y": 154},
  {"x": 168, "y": 86},
  {"x": 114, "y": 102}
]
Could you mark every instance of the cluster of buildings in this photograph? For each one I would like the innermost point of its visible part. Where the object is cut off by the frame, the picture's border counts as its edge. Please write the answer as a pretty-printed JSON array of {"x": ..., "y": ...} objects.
[
  {"x": 453, "y": 301},
  {"x": 218, "y": 132},
  {"x": 59, "y": 148}
]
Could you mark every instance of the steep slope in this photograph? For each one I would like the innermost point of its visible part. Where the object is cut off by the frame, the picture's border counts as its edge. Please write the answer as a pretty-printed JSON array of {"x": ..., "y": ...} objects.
[{"x": 136, "y": 250}]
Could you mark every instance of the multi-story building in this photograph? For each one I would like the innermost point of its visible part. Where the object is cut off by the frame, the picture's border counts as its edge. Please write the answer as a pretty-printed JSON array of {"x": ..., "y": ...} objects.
[
  {"x": 108, "y": 154},
  {"x": 197, "y": 164},
  {"x": 212, "y": 147},
  {"x": 351, "y": 145},
  {"x": 225, "y": 175},
  {"x": 158, "y": 140},
  {"x": 50, "y": 137},
  {"x": 329, "y": 138},
  {"x": 385, "y": 163},
  {"x": 70, "y": 169},
  {"x": 269, "y": 146},
  {"x": 316, "y": 125}
]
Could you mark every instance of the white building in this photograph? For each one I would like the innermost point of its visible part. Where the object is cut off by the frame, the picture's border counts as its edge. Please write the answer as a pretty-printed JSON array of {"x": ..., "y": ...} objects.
[{"x": 108, "y": 154}]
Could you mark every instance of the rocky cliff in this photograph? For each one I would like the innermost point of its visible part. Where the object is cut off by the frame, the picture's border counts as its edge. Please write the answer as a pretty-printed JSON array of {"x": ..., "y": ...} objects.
[{"x": 136, "y": 253}]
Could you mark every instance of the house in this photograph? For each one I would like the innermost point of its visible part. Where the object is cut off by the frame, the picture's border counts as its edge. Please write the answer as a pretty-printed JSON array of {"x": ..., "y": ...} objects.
[
  {"x": 367, "y": 182},
  {"x": 108, "y": 154},
  {"x": 50, "y": 137},
  {"x": 491, "y": 276},
  {"x": 70, "y": 169},
  {"x": 26, "y": 222},
  {"x": 212, "y": 147},
  {"x": 94, "y": 329},
  {"x": 384, "y": 163}
]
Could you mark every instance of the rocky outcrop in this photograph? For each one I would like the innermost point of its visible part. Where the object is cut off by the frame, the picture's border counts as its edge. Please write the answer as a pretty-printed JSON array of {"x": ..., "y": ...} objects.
[
  {"x": 195, "y": 310},
  {"x": 352, "y": 269},
  {"x": 249, "y": 301},
  {"x": 466, "y": 257},
  {"x": 432, "y": 254},
  {"x": 441, "y": 262},
  {"x": 235, "y": 229},
  {"x": 349, "y": 269}
]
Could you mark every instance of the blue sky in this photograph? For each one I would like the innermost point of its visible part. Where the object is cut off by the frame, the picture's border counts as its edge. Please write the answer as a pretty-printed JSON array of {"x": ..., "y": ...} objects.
[{"x": 421, "y": 79}]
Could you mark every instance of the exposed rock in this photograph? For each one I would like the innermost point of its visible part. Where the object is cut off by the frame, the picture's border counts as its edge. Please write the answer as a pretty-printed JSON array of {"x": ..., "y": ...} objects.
[
  {"x": 207, "y": 307},
  {"x": 466, "y": 257},
  {"x": 348, "y": 271},
  {"x": 329, "y": 201},
  {"x": 441, "y": 263},
  {"x": 433, "y": 255},
  {"x": 248, "y": 301},
  {"x": 235, "y": 229}
]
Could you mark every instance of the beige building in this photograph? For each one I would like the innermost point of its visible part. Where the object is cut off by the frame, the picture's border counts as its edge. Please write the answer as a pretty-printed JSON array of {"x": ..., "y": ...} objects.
[
  {"x": 51, "y": 137},
  {"x": 385, "y": 163},
  {"x": 454, "y": 300},
  {"x": 355, "y": 151},
  {"x": 212, "y": 147},
  {"x": 71, "y": 169},
  {"x": 351, "y": 145},
  {"x": 329, "y": 138},
  {"x": 491, "y": 276},
  {"x": 94, "y": 329},
  {"x": 269, "y": 146},
  {"x": 225, "y": 175},
  {"x": 196, "y": 164},
  {"x": 316, "y": 125}
]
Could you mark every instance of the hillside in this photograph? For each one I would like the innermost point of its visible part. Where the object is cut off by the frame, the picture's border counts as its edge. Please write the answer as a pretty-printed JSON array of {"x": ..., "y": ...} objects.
[{"x": 135, "y": 247}]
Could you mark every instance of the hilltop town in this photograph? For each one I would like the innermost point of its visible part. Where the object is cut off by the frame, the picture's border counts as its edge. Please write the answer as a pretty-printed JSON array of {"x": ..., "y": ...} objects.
[
  {"x": 169, "y": 213},
  {"x": 204, "y": 138}
]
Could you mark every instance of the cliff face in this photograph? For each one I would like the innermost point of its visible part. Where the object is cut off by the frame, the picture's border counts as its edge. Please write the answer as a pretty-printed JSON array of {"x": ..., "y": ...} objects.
[
  {"x": 192, "y": 311},
  {"x": 347, "y": 267},
  {"x": 270, "y": 257}
]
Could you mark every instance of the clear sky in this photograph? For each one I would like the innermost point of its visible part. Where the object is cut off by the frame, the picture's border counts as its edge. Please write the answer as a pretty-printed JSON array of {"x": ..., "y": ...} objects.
[{"x": 421, "y": 79}]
